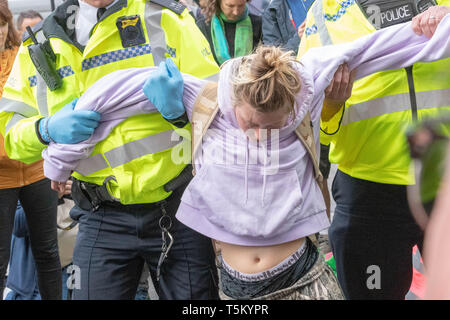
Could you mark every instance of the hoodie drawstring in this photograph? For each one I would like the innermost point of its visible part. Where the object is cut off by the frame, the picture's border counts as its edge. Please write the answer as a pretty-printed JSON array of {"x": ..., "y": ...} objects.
[
  {"x": 264, "y": 176},
  {"x": 246, "y": 171}
]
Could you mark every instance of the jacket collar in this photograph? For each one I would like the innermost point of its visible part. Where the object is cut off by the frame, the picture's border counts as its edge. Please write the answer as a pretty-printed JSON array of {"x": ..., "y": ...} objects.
[{"x": 61, "y": 23}]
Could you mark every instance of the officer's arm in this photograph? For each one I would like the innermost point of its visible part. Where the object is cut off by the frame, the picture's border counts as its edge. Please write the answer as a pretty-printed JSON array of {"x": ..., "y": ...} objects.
[{"x": 19, "y": 112}]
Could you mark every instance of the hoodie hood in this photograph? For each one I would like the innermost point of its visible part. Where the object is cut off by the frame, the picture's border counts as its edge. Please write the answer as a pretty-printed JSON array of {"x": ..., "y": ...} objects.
[{"x": 303, "y": 100}]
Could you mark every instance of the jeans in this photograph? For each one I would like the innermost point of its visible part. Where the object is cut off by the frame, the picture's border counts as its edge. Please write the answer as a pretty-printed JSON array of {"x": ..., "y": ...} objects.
[
  {"x": 372, "y": 235},
  {"x": 114, "y": 242},
  {"x": 40, "y": 205}
]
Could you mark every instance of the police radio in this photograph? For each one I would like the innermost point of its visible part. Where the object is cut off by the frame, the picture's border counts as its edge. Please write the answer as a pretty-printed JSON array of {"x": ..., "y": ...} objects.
[{"x": 44, "y": 60}]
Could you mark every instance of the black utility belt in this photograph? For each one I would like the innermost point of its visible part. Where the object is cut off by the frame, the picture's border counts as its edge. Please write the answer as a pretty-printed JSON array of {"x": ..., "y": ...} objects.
[{"x": 90, "y": 196}]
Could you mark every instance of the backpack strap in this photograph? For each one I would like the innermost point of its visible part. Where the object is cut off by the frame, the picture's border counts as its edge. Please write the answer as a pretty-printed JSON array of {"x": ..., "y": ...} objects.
[
  {"x": 203, "y": 114},
  {"x": 305, "y": 134}
]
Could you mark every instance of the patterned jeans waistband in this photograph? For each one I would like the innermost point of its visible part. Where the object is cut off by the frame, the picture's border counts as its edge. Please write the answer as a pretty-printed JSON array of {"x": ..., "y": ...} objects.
[{"x": 272, "y": 272}]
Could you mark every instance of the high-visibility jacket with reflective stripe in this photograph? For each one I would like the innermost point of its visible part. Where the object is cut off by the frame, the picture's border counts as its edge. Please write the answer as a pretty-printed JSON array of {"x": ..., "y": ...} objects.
[
  {"x": 369, "y": 141},
  {"x": 140, "y": 173}
]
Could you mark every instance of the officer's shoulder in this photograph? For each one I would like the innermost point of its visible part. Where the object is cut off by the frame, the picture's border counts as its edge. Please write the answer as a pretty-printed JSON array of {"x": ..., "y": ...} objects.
[
  {"x": 172, "y": 5},
  {"x": 36, "y": 28}
]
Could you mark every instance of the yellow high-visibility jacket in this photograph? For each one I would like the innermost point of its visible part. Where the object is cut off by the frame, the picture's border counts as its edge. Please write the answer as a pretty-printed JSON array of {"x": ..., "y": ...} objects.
[
  {"x": 138, "y": 151},
  {"x": 367, "y": 137}
]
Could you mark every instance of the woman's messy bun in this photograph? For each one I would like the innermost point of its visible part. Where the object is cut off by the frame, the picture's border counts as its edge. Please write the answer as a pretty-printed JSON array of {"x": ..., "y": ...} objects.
[{"x": 267, "y": 80}]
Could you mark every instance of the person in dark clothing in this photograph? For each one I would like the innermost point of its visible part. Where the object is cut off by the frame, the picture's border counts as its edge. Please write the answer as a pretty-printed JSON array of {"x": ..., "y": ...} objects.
[
  {"x": 282, "y": 23},
  {"x": 231, "y": 31}
]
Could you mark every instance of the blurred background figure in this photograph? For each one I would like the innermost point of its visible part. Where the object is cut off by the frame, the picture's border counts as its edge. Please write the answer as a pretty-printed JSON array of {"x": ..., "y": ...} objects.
[
  {"x": 257, "y": 7},
  {"x": 26, "y": 183},
  {"x": 22, "y": 279},
  {"x": 430, "y": 206},
  {"x": 9, "y": 43},
  {"x": 283, "y": 23},
  {"x": 28, "y": 18},
  {"x": 230, "y": 29},
  {"x": 437, "y": 243},
  {"x": 194, "y": 7}
]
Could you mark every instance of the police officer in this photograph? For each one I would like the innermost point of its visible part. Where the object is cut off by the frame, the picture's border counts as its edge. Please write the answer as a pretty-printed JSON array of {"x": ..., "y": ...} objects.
[
  {"x": 373, "y": 231},
  {"x": 128, "y": 190}
]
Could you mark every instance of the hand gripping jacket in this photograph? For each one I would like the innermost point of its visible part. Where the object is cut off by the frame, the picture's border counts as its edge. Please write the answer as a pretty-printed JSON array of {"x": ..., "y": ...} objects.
[
  {"x": 368, "y": 135},
  {"x": 137, "y": 153}
]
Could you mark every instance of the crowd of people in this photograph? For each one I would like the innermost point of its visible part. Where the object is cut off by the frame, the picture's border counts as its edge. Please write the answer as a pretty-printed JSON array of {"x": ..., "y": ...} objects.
[{"x": 181, "y": 150}]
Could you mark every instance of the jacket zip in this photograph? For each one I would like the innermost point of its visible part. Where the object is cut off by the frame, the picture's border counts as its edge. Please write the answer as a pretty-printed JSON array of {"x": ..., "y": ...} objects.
[{"x": 412, "y": 93}]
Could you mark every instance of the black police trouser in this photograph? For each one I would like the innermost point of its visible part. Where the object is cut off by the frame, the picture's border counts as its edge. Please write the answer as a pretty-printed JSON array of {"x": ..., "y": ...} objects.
[
  {"x": 114, "y": 242},
  {"x": 372, "y": 235},
  {"x": 40, "y": 203}
]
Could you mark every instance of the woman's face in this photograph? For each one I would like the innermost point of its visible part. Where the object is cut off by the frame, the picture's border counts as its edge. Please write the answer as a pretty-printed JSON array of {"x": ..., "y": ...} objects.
[
  {"x": 257, "y": 125},
  {"x": 3, "y": 34},
  {"x": 233, "y": 9}
]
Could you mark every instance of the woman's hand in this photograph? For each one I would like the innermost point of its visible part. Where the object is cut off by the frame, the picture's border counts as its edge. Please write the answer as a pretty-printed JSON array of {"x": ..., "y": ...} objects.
[
  {"x": 426, "y": 23},
  {"x": 339, "y": 90},
  {"x": 63, "y": 188}
]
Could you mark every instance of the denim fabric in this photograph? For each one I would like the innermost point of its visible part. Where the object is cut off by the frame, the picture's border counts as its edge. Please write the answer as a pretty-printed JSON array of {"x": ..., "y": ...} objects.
[
  {"x": 239, "y": 289},
  {"x": 114, "y": 242},
  {"x": 40, "y": 205},
  {"x": 372, "y": 228}
]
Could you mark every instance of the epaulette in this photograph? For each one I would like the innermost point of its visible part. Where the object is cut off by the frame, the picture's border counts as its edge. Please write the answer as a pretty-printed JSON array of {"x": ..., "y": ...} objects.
[
  {"x": 173, "y": 5},
  {"x": 36, "y": 29}
]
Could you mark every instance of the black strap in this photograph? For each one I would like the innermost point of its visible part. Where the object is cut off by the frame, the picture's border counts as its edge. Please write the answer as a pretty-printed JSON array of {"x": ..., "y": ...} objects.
[
  {"x": 100, "y": 13},
  {"x": 176, "y": 7}
]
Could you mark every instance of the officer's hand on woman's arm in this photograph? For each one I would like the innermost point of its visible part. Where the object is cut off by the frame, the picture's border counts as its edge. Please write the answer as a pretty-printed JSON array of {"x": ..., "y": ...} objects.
[
  {"x": 339, "y": 90},
  {"x": 164, "y": 88},
  {"x": 427, "y": 22},
  {"x": 69, "y": 126}
]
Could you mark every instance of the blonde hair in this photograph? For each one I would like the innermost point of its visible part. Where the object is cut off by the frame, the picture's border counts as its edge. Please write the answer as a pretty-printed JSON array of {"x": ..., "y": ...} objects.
[{"x": 266, "y": 79}]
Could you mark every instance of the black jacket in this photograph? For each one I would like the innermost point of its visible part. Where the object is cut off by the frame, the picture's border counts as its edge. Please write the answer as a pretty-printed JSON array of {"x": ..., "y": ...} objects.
[
  {"x": 230, "y": 29},
  {"x": 277, "y": 27}
]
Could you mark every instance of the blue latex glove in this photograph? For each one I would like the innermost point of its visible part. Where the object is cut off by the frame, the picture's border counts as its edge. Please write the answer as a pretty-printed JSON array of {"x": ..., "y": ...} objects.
[
  {"x": 164, "y": 88},
  {"x": 69, "y": 126}
]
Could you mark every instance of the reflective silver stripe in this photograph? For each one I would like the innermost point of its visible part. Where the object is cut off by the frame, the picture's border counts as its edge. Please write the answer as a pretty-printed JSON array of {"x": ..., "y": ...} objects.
[
  {"x": 155, "y": 32},
  {"x": 136, "y": 149},
  {"x": 15, "y": 118},
  {"x": 128, "y": 152},
  {"x": 41, "y": 96},
  {"x": 396, "y": 103},
  {"x": 92, "y": 164},
  {"x": 317, "y": 10},
  {"x": 213, "y": 78},
  {"x": 7, "y": 105},
  {"x": 40, "y": 37}
]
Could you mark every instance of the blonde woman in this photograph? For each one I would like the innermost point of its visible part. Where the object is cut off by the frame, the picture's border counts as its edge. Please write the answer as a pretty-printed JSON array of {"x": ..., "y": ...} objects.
[{"x": 254, "y": 192}]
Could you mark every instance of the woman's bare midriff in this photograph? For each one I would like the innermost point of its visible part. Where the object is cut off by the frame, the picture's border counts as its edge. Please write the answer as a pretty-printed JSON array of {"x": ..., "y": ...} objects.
[{"x": 248, "y": 259}]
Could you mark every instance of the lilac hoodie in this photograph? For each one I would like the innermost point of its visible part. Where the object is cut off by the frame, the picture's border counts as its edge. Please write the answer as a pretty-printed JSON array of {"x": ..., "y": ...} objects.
[{"x": 244, "y": 193}]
